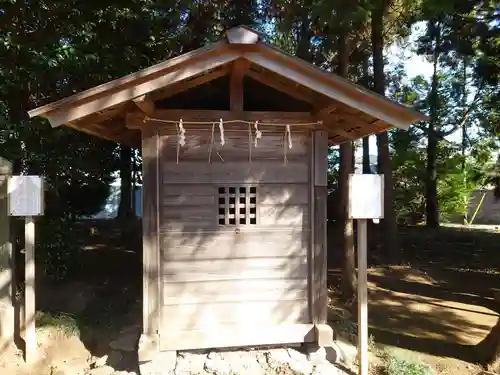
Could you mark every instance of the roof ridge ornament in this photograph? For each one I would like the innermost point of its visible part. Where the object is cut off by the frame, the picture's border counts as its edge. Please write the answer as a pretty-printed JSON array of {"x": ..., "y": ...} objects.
[{"x": 242, "y": 35}]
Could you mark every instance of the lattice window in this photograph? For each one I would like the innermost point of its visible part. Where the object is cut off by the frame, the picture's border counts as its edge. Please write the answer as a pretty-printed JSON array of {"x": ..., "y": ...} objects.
[{"x": 237, "y": 205}]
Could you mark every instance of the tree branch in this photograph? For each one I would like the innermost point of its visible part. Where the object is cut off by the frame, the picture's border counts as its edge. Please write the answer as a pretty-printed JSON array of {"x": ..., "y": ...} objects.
[{"x": 465, "y": 115}]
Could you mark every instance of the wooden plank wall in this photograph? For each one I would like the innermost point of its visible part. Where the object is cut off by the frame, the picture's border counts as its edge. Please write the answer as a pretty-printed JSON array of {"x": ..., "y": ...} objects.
[{"x": 217, "y": 275}]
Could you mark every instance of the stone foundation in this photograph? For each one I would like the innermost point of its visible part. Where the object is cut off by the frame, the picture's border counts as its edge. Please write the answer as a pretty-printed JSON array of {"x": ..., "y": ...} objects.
[{"x": 251, "y": 361}]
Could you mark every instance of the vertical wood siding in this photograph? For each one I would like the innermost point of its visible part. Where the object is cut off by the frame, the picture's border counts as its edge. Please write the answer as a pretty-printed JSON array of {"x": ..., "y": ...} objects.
[{"x": 234, "y": 275}]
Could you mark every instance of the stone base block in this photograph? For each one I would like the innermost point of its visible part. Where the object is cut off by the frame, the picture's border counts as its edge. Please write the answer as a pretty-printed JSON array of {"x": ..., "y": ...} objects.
[
  {"x": 161, "y": 363},
  {"x": 149, "y": 346},
  {"x": 324, "y": 334}
]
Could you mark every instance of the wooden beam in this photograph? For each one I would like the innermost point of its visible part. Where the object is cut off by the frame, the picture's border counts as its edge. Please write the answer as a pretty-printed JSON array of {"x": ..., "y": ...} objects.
[
  {"x": 135, "y": 120},
  {"x": 100, "y": 131},
  {"x": 330, "y": 126},
  {"x": 145, "y": 104},
  {"x": 356, "y": 128},
  {"x": 356, "y": 120},
  {"x": 189, "y": 84},
  {"x": 236, "y": 335},
  {"x": 164, "y": 66},
  {"x": 80, "y": 110},
  {"x": 240, "y": 67},
  {"x": 101, "y": 116},
  {"x": 278, "y": 85},
  {"x": 325, "y": 111},
  {"x": 320, "y": 82},
  {"x": 343, "y": 133}
]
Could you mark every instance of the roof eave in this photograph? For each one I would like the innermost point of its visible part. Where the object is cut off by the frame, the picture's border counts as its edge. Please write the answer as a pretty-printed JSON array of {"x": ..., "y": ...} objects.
[
  {"x": 120, "y": 82},
  {"x": 302, "y": 72}
]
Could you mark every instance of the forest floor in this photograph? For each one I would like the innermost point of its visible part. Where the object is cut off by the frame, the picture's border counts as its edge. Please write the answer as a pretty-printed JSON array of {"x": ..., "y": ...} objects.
[
  {"x": 436, "y": 308},
  {"x": 439, "y": 307}
]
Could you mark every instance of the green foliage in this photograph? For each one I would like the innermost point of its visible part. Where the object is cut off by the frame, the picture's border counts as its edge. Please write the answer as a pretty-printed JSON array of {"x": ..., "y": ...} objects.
[
  {"x": 398, "y": 364},
  {"x": 408, "y": 171},
  {"x": 455, "y": 185},
  {"x": 57, "y": 249},
  {"x": 64, "y": 323},
  {"x": 50, "y": 50}
]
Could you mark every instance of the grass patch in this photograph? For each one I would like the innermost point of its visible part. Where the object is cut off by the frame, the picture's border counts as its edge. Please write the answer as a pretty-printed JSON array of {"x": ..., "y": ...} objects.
[
  {"x": 62, "y": 322},
  {"x": 399, "y": 364}
]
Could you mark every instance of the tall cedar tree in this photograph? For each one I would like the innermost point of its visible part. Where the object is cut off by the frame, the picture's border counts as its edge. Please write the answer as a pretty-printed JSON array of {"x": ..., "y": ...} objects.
[
  {"x": 366, "y": 140},
  {"x": 384, "y": 158},
  {"x": 125, "y": 208},
  {"x": 348, "y": 287}
]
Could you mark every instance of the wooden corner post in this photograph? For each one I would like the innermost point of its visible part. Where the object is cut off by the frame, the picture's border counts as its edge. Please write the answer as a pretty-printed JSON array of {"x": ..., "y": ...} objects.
[
  {"x": 149, "y": 342},
  {"x": 6, "y": 262},
  {"x": 319, "y": 194}
]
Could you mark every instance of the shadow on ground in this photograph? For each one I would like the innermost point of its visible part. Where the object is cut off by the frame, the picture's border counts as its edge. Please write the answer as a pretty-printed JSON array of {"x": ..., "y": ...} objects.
[
  {"x": 442, "y": 303},
  {"x": 105, "y": 297}
]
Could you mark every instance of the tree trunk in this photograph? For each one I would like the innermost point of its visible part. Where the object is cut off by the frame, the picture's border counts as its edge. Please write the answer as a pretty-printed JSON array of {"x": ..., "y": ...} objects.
[
  {"x": 384, "y": 157},
  {"x": 366, "y": 140},
  {"x": 125, "y": 207},
  {"x": 464, "y": 140},
  {"x": 431, "y": 199},
  {"x": 366, "y": 156},
  {"x": 304, "y": 38},
  {"x": 493, "y": 363},
  {"x": 348, "y": 286}
]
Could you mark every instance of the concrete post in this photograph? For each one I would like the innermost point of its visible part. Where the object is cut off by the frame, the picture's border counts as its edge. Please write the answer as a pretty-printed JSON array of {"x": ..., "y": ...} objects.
[{"x": 6, "y": 262}]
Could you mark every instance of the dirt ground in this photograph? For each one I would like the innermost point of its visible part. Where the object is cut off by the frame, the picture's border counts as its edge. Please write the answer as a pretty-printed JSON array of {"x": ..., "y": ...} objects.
[
  {"x": 438, "y": 308},
  {"x": 425, "y": 317}
]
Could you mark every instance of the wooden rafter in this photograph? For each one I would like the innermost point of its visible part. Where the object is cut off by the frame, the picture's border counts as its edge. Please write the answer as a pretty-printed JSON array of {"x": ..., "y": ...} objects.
[
  {"x": 280, "y": 86},
  {"x": 129, "y": 93},
  {"x": 145, "y": 104},
  {"x": 109, "y": 130},
  {"x": 325, "y": 111},
  {"x": 190, "y": 83},
  {"x": 90, "y": 131},
  {"x": 332, "y": 128},
  {"x": 347, "y": 125}
]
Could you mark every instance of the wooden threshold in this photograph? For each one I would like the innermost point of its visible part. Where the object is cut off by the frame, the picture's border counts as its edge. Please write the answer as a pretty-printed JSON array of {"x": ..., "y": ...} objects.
[{"x": 237, "y": 336}]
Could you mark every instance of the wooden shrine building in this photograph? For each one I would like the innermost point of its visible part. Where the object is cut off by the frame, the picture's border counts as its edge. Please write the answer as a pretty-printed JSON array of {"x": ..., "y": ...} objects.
[{"x": 234, "y": 140}]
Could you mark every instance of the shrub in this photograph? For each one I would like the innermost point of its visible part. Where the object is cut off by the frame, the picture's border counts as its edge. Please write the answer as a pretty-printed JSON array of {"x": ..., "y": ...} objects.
[
  {"x": 57, "y": 248},
  {"x": 62, "y": 322},
  {"x": 397, "y": 364}
]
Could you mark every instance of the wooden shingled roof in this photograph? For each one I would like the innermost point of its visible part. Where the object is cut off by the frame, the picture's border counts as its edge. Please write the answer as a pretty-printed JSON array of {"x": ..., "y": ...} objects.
[{"x": 346, "y": 110}]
